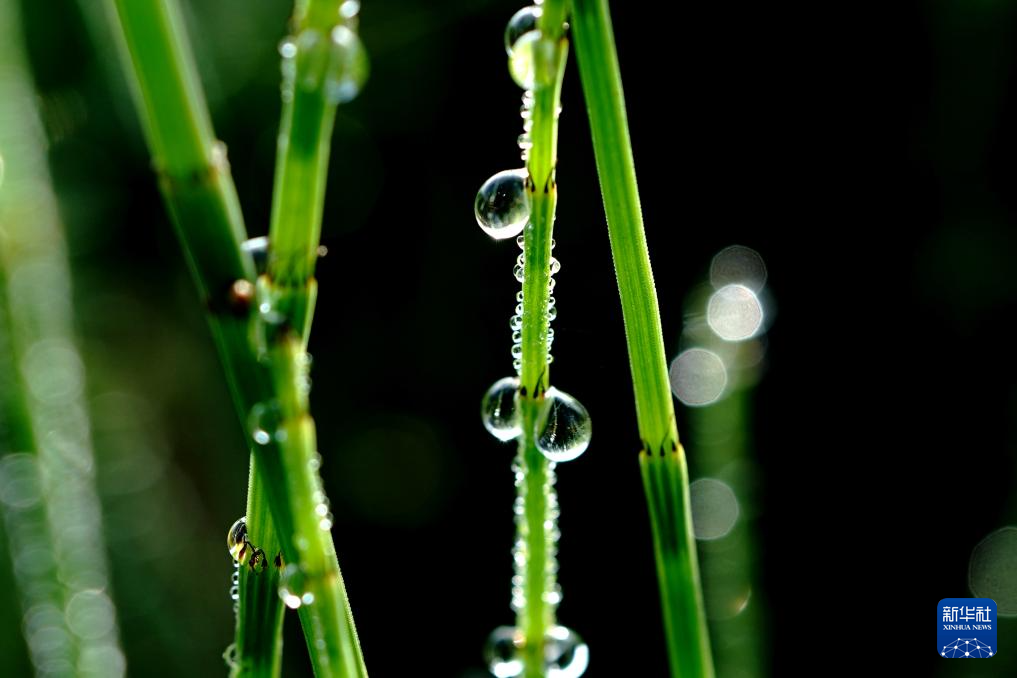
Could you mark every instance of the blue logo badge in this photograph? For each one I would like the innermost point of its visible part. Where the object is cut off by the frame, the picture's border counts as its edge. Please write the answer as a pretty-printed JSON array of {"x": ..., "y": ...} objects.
[{"x": 967, "y": 628}]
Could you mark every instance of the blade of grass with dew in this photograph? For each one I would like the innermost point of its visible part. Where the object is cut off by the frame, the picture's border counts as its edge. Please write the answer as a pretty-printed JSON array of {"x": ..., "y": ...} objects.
[
  {"x": 268, "y": 379},
  {"x": 51, "y": 509},
  {"x": 324, "y": 64},
  {"x": 537, "y": 526},
  {"x": 662, "y": 459},
  {"x": 196, "y": 184}
]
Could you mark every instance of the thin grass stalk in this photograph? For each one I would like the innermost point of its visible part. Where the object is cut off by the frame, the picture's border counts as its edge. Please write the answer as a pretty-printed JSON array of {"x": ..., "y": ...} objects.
[
  {"x": 538, "y": 525},
  {"x": 51, "y": 510},
  {"x": 662, "y": 459},
  {"x": 194, "y": 177},
  {"x": 323, "y": 64}
]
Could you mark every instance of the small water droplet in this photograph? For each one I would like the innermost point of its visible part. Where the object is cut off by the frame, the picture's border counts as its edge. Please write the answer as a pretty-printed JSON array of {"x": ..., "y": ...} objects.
[
  {"x": 521, "y": 242},
  {"x": 524, "y": 141},
  {"x": 502, "y": 206},
  {"x": 264, "y": 421},
  {"x": 349, "y": 9},
  {"x": 521, "y": 23},
  {"x": 519, "y": 273},
  {"x": 517, "y": 337},
  {"x": 555, "y": 266},
  {"x": 498, "y": 409},
  {"x": 517, "y": 350},
  {"x": 564, "y": 427},
  {"x": 502, "y": 652},
  {"x": 349, "y": 66},
  {"x": 517, "y": 365},
  {"x": 552, "y": 313},
  {"x": 236, "y": 541},
  {"x": 293, "y": 587},
  {"x": 287, "y": 48},
  {"x": 516, "y": 322}
]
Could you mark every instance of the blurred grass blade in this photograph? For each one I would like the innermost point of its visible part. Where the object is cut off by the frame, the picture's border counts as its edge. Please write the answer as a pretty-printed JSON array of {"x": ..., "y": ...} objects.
[
  {"x": 665, "y": 476},
  {"x": 52, "y": 514},
  {"x": 265, "y": 360},
  {"x": 195, "y": 181}
]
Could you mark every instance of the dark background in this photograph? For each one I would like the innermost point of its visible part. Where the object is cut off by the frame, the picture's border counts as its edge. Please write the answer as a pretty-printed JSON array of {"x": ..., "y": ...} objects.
[{"x": 867, "y": 152}]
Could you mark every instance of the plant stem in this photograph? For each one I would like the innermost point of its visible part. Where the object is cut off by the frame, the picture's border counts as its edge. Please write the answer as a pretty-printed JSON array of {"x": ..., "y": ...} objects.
[
  {"x": 537, "y": 527},
  {"x": 51, "y": 510},
  {"x": 662, "y": 459},
  {"x": 196, "y": 184},
  {"x": 287, "y": 293}
]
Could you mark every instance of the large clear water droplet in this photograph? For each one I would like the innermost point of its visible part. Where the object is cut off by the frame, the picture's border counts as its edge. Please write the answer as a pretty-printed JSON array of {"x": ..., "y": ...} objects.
[
  {"x": 521, "y": 23},
  {"x": 502, "y": 206},
  {"x": 293, "y": 587},
  {"x": 236, "y": 541},
  {"x": 348, "y": 67},
  {"x": 563, "y": 429},
  {"x": 498, "y": 409},
  {"x": 502, "y": 652},
  {"x": 522, "y": 60},
  {"x": 565, "y": 653}
]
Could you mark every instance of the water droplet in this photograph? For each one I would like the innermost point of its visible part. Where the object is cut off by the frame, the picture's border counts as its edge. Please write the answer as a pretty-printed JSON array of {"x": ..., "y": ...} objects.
[
  {"x": 312, "y": 59},
  {"x": 236, "y": 541},
  {"x": 349, "y": 66},
  {"x": 502, "y": 206},
  {"x": 264, "y": 422},
  {"x": 519, "y": 273},
  {"x": 740, "y": 265},
  {"x": 991, "y": 570},
  {"x": 734, "y": 313},
  {"x": 287, "y": 48},
  {"x": 293, "y": 587},
  {"x": 524, "y": 141},
  {"x": 565, "y": 653},
  {"x": 517, "y": 365},
  {"x": 522, "y": 62},
  {"x": 521, "y": 242},
  {"x": 502, "y": 652},
  {"x": 564, "y": 427},
  {"x": 349, "y": 9},
  {"x": 714, "y": 508},
  {"x": 516, "y": 322},
  {"x": 698, "y": 377},
  {"x": 517, "y": 350},
  {"x": 552, "y": 313},
  {"x": 555, "y": 266},
  {"x": 498, "y": 409},
  {"x": 521, "y": 23}
]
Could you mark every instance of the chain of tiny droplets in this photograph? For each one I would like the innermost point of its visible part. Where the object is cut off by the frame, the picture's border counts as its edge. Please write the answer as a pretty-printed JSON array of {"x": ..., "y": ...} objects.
[
  {"x": 516, "y": 322},
  {"x": 520, "y": 555}
]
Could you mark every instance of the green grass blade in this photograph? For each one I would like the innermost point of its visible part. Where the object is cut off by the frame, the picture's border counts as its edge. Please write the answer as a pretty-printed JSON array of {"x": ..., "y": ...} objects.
[
  {"x": 665, "y": 476},
  {"x": 51, "y": 510},
  {"x": 323, "y": 55},
  {"x": 537, "y": 526},
  {"x": 195, "y": 181}
]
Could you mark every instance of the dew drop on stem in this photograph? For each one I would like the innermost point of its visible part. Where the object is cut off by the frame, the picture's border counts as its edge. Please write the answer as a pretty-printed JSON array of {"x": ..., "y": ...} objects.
[
  {"x": 294, "y": 587},
  {"x": 502, "y": 206},
  {"x": 521, "y": 23},
  {"x": 498, "y": 409},
  {"x": 563, "y": 428}
]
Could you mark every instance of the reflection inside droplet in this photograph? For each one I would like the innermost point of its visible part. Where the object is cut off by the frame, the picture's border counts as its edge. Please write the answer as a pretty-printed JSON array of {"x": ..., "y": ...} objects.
[{"x": 698, "y": 377}]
